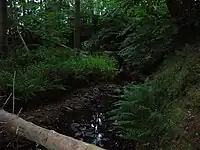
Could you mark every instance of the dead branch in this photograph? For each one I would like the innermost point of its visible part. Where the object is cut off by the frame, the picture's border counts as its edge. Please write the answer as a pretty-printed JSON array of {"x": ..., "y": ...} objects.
[
  {"x": 4, "y": 104},
  {"x": 14, "y": 92},
  {"x": 47, "y": 138},
  {"x": 22, "y": 39},
  {"x": 64, "y": 46}
]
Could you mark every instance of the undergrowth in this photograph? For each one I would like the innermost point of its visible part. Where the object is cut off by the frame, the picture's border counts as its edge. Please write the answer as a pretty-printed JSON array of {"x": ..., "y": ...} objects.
[
  {"x": 142, "y": 39},
  {"x": 153, "y": 113},
  {"x": 46, "y": 69}
]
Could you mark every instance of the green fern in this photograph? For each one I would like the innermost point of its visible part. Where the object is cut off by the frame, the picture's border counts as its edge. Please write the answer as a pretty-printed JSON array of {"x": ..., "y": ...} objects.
[{"x": 144, "y": 111}]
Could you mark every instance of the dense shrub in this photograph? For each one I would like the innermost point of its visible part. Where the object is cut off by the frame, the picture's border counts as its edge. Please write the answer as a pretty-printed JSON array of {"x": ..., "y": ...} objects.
[
  {"x": 151, "y": 38},
  {"x": 47, "y": 22},
  {"x": 108, "y": 37},
  {"x": 142, "y": 37}
]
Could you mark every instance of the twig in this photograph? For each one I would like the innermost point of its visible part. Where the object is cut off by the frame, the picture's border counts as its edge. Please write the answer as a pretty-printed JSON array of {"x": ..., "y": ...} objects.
[
  {"x": 60, "y": 44},
  {"x": 65, "y": 46},
  {"x": 11, "y": 142},
  {"x": 14, "y": 92},
  {"x": 23, "y": 40},
  {"x": 19, "y": 111},
  {"x": 7, "y": 100}
]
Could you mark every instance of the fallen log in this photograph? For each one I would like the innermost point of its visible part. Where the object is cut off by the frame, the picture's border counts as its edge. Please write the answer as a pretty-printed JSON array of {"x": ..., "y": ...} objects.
[{"x": 47, "y": 138}]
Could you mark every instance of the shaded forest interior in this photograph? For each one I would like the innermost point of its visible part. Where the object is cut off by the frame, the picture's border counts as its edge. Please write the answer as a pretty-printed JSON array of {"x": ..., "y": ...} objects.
[{"x": 117, "y": 74}]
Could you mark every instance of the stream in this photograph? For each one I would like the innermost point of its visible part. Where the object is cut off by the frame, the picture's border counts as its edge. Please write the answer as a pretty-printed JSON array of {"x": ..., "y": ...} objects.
[{"x": 81, "y": 115}]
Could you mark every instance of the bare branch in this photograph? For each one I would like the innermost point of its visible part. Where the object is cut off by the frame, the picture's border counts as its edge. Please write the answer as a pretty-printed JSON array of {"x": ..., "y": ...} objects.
[
  {"x": 24, "y": 43},
  {"x": 14, "y": 92},
  {"x": 7, "y": 100}
]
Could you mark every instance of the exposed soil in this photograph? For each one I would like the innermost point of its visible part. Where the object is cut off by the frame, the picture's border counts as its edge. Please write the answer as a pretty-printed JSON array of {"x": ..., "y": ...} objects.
[
  {"x": 192, "y": 129},
  {"x": 71, "y": 108},
  {"x": 190, "y": 138}
]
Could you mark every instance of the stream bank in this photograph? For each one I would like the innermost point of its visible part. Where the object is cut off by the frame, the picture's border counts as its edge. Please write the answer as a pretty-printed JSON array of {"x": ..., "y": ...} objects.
[{"x": 81, "y": 115}]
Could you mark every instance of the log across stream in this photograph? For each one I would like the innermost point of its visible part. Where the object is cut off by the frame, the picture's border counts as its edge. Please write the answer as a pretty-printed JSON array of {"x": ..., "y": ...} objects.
[{"x": 81, "y": 115}]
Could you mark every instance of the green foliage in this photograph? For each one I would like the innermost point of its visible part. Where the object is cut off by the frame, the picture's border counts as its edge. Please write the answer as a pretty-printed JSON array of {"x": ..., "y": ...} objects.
[
  {"x": 47, "y": 69},
  {"x": 84, "y": 65},
  {"x": 48, "y": 21},
  {"x": 150, "y": 41},
  {"x": 152, "y": 113},
  {"x": 141, "y": 32},
  {"x": 108, "y": 37}
]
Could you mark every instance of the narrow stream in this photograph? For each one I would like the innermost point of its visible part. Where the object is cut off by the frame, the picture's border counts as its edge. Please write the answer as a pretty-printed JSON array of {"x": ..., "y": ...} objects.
[
  {"x": 99, "y": 132},
  {"x": 87, "y": 122},
  {"x": 92, "y": 125}
]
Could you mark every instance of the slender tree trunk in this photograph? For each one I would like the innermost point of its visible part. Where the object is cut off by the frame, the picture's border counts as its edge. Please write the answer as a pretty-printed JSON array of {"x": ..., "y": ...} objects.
[
  {"x": 3, "y": 27},
  {"x": 77, "y": 42}
]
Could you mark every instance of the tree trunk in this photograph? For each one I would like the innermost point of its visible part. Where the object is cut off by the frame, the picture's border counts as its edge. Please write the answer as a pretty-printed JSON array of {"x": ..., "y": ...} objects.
[
  {"x": 3, "y": 27},
  {"x": 77, "y": 43},
  {"x": 47, "y": 138},
  {"x": 174, "y": 8}
]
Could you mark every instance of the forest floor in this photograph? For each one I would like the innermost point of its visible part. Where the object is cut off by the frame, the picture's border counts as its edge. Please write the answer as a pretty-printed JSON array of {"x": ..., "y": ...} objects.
[
  {"x": 69, "y": 112},
  {"x": 79, "y": 106},
  {"x": 190, "y": 137},
  {"x": 72, "y": 114}
]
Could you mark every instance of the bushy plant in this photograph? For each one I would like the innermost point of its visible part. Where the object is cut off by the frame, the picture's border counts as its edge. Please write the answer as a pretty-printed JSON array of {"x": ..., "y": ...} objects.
[
  {"x": 150, "y": 40},
  {"x": 93, "y": 63},
  {"x": 142, "y": 33},
  {"x": 47, "y": 21}
]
